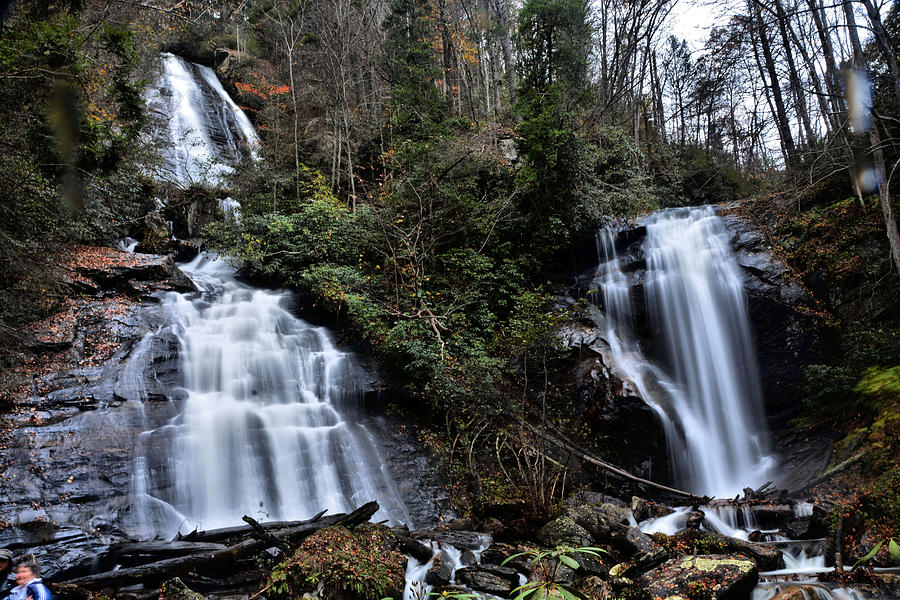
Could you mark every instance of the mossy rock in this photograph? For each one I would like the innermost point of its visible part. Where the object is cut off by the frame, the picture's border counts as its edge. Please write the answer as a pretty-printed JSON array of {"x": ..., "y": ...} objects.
[
  {"x": 175, "y": 589},
  {"x": 342, "y": 563},
  {"x": 564, "y": 531},
  {"x": 701, "y": 577}
]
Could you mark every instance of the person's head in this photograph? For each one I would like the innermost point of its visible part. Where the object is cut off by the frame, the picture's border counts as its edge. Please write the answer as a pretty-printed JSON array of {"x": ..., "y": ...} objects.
[
  {"x": 6, "y": 557},
  {"x": 25, "y": 572}
]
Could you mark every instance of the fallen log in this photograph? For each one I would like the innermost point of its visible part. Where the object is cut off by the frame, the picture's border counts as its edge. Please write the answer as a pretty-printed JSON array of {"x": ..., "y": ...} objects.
[
  {"x": 262, "y": 534},
  {"x": 158, "y": 571},
  {"x": 225, "y": 533},
  {"x": 585, "y": 456},
  {"x": 137, "y": 553}
]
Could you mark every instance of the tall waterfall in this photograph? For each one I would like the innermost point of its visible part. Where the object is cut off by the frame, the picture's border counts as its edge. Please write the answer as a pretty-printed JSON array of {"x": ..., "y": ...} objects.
[
  {"x": 269, "y": 422},
  {"x": 704, "y": 386},
  {"x": 201, "y": 132}
]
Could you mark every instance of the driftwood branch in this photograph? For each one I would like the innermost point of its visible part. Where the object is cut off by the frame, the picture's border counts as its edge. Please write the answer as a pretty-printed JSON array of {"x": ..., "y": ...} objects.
[
  {"x": 260, "y": 533},
  {"x": 212, "y": 557}
]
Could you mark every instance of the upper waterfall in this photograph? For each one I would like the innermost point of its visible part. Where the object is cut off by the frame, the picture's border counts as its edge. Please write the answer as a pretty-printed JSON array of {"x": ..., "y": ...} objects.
[
  {"x": 704, "y": 385},
  {"x": 202, "y": 132}
]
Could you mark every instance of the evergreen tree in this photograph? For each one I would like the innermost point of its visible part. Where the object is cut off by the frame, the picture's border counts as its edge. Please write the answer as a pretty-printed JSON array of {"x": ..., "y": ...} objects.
[
  {"x": 418, "y": 107},
  {"x": 554, "y": 44}
]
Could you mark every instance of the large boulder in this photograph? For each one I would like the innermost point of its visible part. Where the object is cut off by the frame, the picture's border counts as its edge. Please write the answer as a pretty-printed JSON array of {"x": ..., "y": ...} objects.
[
  {"x": 109, "y": 271},
  {"x": 599, "y": 520},
  {"x": 709, "y": 576},
  {"x": 767, "y": 558}
]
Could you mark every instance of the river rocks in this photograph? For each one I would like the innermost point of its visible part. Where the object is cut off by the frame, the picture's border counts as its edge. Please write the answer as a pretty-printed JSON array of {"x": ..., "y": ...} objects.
[
  {"x": 767, "y": 558},
  {"x": 497, "y": 554},
  {"x": 707, "y": 576},
  {"x": 564, "y": 531},
  {"x": 594, "y": 588},
  {"x": 463, "y": 540},
  {"x": 694, "y": 519},
  {"x": 491, "y": 579},
  {"x": 441, "y": 570}
]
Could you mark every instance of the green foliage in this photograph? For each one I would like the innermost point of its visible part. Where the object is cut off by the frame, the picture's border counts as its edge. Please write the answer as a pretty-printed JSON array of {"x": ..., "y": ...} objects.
[
  {"x": 547, "y": 562},
  {"x": 71, "y": 109},
  {"x": 417, "y": 106},
  {"x": 554, "y": 44},
  {"x": 554, "y": 41},
  {"x": 853, "y": 384},
  {"x": 337, "y": 562},
  {"x": 882, "y": 385}
]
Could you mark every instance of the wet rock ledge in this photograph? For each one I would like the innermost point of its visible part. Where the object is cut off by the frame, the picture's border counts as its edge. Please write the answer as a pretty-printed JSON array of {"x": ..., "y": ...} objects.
[{"x": 70, "y": 418}]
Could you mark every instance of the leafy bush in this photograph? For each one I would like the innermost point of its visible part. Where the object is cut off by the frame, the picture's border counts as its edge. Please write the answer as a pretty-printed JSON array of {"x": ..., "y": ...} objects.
[{"x": 340, "y": 563}]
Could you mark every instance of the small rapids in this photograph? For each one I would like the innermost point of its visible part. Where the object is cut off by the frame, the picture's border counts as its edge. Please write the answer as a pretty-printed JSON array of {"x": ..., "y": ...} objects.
[
  {"x": 803, "y": 559},
  {"x": 416, "y": 573}
]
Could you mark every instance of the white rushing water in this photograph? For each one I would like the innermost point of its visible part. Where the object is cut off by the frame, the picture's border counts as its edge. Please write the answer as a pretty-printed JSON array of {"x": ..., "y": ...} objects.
[
  {"x": 202, "y": 131},
  {"x": 416, "y": 586},
  {"x": 269, "y": 424},
  {"x": 704, "y": 386}
]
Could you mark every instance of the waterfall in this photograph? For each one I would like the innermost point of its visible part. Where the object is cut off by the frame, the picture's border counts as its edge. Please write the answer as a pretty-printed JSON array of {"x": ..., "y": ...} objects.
[
  {"x": 704, "y": 384},
  {"x": 269, "y": 423},
  {"x": 201, "y": 132},
  {"x": 270, "y": 426}
]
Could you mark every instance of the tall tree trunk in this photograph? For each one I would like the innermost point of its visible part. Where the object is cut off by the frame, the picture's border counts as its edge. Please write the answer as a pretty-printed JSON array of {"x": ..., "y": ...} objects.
[
  {"x": 820, "y": 20},
  {"x": 884, "y": 193},
  {"x": 884, "y": 44},
  {"x": 816, "y": 82},
  {"x": 794, "y": 77},
  {"x": 781, "y": 119}
]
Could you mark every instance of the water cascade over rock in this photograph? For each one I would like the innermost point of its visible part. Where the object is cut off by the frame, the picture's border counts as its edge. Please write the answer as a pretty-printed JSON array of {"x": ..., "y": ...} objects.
[
  {"x": 201, "y": 131},
  {"x": 269, "y": 421},
  {"x": 269, "y": 426},
  {"x": 701, "y": 379}
]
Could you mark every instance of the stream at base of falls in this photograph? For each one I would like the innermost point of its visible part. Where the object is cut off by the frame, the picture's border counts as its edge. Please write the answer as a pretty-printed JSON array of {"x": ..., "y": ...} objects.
[
  {"x": 804, "y": 560},
  {"x": 269, "y": 425}
]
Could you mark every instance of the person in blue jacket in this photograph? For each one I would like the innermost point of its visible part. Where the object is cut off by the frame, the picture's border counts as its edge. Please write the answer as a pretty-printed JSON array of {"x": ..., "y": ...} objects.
[
  {"x": 30, "y": 586},
  {"x": 6, "y": 575}
]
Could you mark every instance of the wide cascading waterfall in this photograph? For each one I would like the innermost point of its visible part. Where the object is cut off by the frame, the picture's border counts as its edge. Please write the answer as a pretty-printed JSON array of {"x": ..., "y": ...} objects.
[
  {"x": 202, "y": 133},
  {"x": 269, "y": 424},
  {"x": 705, "y": 384}
]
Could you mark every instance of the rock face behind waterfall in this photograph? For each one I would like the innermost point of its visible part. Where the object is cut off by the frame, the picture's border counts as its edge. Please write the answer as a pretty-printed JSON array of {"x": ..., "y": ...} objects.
[
  {"x": 93, "y": 383},
  {"x": 788, "y": 333}
]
